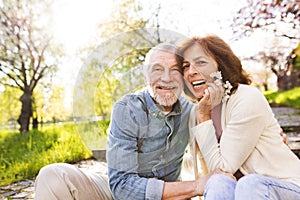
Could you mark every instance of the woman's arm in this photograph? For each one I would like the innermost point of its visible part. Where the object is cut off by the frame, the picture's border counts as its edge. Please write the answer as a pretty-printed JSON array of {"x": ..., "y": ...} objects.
[{"x": 245, "y": 121}]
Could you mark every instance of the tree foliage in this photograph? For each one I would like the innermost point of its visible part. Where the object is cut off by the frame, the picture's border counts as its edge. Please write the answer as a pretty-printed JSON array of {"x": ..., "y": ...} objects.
[
  {"x": 26, "y": 51},
  {"x": 49, "y": 104},
  {"x": 282, "y": 18},
  {"x": 10, "y": 105},
  {"x": 116, "y": 65},
  {"x": 279, "y": 16},
  {"x": 111, "y": 60}
]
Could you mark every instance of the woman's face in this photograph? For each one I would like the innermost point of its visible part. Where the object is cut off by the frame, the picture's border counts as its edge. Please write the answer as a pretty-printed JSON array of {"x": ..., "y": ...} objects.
[{"x": 197, "y": 67}]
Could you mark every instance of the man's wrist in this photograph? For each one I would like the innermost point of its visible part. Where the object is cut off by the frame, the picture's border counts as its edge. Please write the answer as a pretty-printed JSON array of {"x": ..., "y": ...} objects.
[{"x": 199, "y": 187}]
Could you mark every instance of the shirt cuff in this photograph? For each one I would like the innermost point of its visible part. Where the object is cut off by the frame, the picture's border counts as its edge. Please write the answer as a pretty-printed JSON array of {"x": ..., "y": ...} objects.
[
  {"x": 154, "y": 189},
  {"x": 204, "y": 126}
]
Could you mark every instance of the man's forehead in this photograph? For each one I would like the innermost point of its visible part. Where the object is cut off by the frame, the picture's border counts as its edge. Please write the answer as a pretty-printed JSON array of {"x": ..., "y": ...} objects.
[{"x": 161, "y": 56}]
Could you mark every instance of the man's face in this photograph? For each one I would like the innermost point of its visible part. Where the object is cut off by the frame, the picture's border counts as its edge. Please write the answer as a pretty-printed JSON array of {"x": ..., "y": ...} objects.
[{"x": 164, "y": 79}]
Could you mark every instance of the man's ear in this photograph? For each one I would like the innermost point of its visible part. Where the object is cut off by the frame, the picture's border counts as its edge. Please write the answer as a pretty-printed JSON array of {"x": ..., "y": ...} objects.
[{"x": 146, "y": 80}]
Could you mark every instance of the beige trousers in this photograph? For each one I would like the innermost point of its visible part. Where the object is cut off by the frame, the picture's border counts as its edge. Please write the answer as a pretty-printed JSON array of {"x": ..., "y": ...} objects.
[{"x": 67, "y": 182}]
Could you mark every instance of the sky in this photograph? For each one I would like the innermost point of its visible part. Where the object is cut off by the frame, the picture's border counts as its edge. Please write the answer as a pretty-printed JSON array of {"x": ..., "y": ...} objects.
[{"x": 75, "y": 20}]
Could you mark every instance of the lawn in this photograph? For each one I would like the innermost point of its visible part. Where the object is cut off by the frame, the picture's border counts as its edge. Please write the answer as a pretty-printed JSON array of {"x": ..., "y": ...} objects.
[
  {"x": 22, "y": 156},
  {"x": 289, "y": 98}
]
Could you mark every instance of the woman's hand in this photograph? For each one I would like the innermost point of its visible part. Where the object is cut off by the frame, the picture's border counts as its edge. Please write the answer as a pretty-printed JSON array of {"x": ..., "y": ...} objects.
[
  {"x": 212, "y": 97},
  {"x": 284, "y": 138}
]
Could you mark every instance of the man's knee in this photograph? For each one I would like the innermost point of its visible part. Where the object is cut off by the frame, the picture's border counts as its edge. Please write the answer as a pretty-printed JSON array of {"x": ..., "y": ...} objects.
[
  {"x": 49, "y": 174},
  {"x": 46, "y": 171}
]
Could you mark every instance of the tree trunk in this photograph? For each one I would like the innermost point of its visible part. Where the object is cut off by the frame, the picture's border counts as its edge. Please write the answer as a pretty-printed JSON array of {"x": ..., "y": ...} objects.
[
  {"x": 35, "y": 122},
  {"x": 286, "y": 82},
  {"x": 24, "y": 118}
]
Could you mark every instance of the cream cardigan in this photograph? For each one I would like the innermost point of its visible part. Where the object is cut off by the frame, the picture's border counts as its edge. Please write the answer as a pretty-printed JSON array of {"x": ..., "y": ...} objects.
[{"x": 250, "y": 141}]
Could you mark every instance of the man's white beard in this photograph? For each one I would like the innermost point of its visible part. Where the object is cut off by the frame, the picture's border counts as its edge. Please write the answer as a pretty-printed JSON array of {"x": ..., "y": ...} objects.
[{"x": 168, "y": 99}]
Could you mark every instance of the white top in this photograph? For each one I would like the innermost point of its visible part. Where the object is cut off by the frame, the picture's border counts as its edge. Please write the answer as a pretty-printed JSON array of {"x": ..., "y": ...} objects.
[{"x": 250, "y": 140}]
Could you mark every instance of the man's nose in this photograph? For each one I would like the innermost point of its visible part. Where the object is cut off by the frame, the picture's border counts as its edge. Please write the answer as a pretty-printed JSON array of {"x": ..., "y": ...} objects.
[{"x": 166, "y": 76}]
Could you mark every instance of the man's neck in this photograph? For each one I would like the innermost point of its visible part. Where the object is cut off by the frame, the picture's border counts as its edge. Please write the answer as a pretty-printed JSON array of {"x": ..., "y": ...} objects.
[{"x": 165, "y": 108}]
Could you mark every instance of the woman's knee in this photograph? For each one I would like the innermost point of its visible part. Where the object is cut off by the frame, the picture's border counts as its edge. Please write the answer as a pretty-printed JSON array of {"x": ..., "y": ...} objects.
[
  {"x": 249, "y": 181},
  {"x": 251, "y": 186},
  {"x": 221, "y": 181},
  {"x": 219, "y": 186}
]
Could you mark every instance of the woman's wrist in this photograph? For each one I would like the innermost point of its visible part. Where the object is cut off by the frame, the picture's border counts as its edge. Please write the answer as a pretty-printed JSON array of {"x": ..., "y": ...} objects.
[{"x": 203, "y": 118}]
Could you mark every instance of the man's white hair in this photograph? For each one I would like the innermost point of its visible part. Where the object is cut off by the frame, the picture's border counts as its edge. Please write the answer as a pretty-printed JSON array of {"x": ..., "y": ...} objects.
[{"x": 166, "y": 47}]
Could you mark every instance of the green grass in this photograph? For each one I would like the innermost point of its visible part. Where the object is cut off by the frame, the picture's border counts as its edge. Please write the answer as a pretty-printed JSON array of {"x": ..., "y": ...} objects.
[
  {"x": 22, "y": 156},
  {"x": 290, "y": 98}
]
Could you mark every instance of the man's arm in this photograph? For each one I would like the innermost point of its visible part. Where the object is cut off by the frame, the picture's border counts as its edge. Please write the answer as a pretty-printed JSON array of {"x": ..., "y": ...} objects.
[
  {"x": 122, "y": 154},
  {"x": 182, "y": 190}
]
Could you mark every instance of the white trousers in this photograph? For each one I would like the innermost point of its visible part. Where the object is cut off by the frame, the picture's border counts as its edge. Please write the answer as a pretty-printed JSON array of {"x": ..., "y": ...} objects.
[{"x": 61, "y": 181}]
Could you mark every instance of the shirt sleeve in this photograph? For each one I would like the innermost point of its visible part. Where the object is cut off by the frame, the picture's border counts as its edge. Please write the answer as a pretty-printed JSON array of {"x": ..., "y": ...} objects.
[
  {"x": 122, "y": 158},
  {"x": 245, "y": 121}
]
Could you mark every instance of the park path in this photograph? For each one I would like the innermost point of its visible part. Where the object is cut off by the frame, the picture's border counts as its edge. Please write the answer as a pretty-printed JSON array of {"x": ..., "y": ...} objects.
[{"x": 24, "y": 190}]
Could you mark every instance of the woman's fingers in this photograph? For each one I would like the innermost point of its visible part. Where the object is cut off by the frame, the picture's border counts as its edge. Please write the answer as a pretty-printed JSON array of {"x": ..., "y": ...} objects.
[
  {"x": 216, "y": 93},
  {"x": 212, "y": 97}
]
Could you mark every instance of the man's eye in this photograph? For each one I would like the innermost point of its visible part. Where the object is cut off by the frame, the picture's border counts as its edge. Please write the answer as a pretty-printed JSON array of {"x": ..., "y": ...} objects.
[
  {"x": 175, "y": 69},
  {"x": 157, "y": 69}
]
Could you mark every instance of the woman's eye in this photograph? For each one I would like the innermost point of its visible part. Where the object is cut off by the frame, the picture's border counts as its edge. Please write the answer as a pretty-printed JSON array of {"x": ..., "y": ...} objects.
[
  {"x": 200, "y": 62},
  {"x": 185, "y": 66}
]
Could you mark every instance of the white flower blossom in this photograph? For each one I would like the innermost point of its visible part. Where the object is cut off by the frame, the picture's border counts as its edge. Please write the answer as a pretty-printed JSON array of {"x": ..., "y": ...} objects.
[
  {"x": 218, "y": 82},
  {"x": 217, "y": 76}
]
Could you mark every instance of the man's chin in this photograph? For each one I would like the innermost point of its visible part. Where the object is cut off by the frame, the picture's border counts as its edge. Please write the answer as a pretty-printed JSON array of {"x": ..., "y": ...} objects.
[{"x": 166, "y": 100}]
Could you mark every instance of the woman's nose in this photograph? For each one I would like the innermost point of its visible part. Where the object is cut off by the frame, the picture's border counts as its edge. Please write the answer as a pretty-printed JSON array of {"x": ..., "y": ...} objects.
[{"x": 192, "y": 70}]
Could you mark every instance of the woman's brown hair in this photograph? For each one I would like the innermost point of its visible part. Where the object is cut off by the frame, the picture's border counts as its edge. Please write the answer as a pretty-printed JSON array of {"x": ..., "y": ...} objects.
[{"x": 228, "y": 63}]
